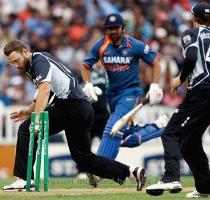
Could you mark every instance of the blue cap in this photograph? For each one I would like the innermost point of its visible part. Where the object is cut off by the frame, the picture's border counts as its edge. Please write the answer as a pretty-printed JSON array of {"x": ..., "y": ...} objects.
[
  {"x": 201, "y": 9},
  {"x": 114, "y": 19}
]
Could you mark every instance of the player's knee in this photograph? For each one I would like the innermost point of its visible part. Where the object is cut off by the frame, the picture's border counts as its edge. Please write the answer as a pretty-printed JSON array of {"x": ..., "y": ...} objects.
[{"x": 186, "y": 150}]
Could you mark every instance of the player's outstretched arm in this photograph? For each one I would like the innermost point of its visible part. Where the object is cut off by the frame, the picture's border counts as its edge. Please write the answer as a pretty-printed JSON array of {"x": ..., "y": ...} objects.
[
  {"x": 89, "y": 89},
  {"x": 155, "y": 93}
]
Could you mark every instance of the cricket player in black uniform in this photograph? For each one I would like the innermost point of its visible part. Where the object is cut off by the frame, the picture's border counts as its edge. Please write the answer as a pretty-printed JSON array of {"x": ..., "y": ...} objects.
[
  {"x": 192, "y": 117},
  {"x": 70, "y": 111}
]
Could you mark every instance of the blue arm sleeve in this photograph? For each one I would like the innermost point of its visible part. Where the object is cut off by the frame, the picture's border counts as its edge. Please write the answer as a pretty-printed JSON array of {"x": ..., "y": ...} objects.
[
  {"x": 93, "y": 55},
  {"x": 144, "y": 52}
]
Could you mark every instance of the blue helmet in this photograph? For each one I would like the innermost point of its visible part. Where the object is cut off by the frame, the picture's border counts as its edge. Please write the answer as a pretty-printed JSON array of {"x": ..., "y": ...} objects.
[{"x": 114, "y": 19}]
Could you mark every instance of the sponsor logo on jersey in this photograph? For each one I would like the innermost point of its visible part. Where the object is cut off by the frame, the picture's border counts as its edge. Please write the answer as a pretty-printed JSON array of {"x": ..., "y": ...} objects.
[
  {"x": 107, "y": 52},
  {"x": 37, "y": 79},
  {"x": 187, "y": 39},
  {"x": 185, "y": 121},
  {"x": 146, "y": 49},
  {"x": 116, "y": 67},
  {"x": 116, "y": 60},
  {"x": 116, "y": 63},
  {"x": 205, "y": 36},
  {"x": 130, "y": 99}
]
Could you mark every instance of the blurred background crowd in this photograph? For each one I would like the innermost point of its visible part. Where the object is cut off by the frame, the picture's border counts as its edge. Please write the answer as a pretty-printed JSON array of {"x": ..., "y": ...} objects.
[{"x": 67, "y": 28}]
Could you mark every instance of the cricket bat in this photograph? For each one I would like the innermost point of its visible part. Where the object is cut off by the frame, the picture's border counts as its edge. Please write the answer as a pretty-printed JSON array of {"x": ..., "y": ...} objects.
[{"x": 124, "y": 119}]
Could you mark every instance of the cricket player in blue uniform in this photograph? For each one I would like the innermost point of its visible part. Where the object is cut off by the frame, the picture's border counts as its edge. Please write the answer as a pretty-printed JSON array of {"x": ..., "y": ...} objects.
[{"x": 120, "y": 56}]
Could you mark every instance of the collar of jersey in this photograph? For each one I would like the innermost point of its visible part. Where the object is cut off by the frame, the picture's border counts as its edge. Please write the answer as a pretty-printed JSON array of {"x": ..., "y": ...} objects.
[
  {"x": 125, "y": 42},
  {"x": 29, "y": 69},
  {"x": 200, "y": 25}
]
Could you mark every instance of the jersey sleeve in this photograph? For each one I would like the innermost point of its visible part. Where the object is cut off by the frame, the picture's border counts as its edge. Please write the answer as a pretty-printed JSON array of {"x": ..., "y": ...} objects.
[
  {"x": 188, "y": 39},
  {"x": 93, "y": 55},
  {"x": 144, "y": 52},
  {"x": 190, "y": 49},
  {"x": 42, "y": 71}
]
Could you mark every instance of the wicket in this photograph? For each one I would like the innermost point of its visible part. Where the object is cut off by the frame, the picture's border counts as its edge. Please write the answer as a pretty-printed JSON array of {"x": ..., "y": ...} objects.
[{"x": 42, "y": 138}]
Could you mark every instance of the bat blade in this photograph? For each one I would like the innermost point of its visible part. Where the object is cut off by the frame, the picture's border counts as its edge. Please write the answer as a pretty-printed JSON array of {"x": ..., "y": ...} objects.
[{"x": 122, "y": 121}]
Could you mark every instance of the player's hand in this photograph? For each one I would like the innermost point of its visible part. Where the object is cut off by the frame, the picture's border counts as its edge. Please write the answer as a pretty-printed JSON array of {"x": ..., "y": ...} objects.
[
  {"x": 91, "y": 91},
  {"x": 155, "y": 94},
  {"x": 176, "y": 82},
  {"x": 20, "y": 115}
]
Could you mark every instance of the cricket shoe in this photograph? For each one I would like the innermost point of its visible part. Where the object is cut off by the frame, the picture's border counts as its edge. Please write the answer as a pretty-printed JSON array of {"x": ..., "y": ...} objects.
[
  {"x": 18, "y": 186},
  {"x": 196, "y": 194},
  {"x": 158, "y": 188},
  {"x": 93, "y": 179},
  {"x": 139, "y": 174}
]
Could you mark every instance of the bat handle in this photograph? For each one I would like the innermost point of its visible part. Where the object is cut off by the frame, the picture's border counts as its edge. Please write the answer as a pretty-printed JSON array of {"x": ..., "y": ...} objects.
[
  {"x": 146, "y": 101},
  {"x": 114, "y": 130}
]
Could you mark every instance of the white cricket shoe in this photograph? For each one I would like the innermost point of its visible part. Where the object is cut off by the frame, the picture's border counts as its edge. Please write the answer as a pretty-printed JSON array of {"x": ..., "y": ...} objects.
[
  {"x": 196, "y": 194},
  {"x": 18, "y": 186},
  {"x": 160, "y": 187},
  {"x": 161, "y": 121}
]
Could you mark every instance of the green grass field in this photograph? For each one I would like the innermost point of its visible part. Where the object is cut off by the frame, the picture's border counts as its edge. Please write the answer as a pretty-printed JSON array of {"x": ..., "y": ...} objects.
[{"x": 79, "y": 189}]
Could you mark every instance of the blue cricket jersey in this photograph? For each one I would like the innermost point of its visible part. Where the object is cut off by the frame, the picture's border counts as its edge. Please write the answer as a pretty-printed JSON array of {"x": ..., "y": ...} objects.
[{"x": 122, "y": 62}]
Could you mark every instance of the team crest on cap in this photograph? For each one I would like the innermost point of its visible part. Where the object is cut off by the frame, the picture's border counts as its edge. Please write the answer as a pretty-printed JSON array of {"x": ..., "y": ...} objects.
[{"x": 112, "y": 18}]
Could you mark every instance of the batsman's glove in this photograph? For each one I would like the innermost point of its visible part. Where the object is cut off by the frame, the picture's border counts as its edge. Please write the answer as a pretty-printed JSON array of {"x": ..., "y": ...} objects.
[
  {"x": 36, "y": 128},
  {"x": 36, "y": 131},
  {"x": 92, "y": 91},
  {"x": 155, "y": 94}
]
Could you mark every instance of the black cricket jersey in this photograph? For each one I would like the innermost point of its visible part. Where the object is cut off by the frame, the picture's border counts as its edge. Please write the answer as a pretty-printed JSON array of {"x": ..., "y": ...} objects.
[
  {"x": 45, "y": 68},
  {"x": 198, "y": 37}
]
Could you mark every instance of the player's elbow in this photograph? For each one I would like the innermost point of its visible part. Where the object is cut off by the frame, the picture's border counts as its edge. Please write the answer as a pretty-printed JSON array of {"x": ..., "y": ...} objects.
[
  {"x": 44, "y": 88},
  {"x": 155, "y": 63},
  {"x": 85, "y": 66},
  {"x": 191, "y": 54}
]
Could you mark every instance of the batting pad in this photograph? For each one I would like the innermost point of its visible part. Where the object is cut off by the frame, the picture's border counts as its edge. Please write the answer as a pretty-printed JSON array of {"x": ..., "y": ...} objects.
[{"x": 109, "y": 146}]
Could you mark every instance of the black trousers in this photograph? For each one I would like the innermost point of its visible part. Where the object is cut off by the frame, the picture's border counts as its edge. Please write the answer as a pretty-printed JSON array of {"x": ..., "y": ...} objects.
[
  {"x": 75, "y": 117},
  {"x": 172, "y": 153},
  {"x": 185, "y": 129}
]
